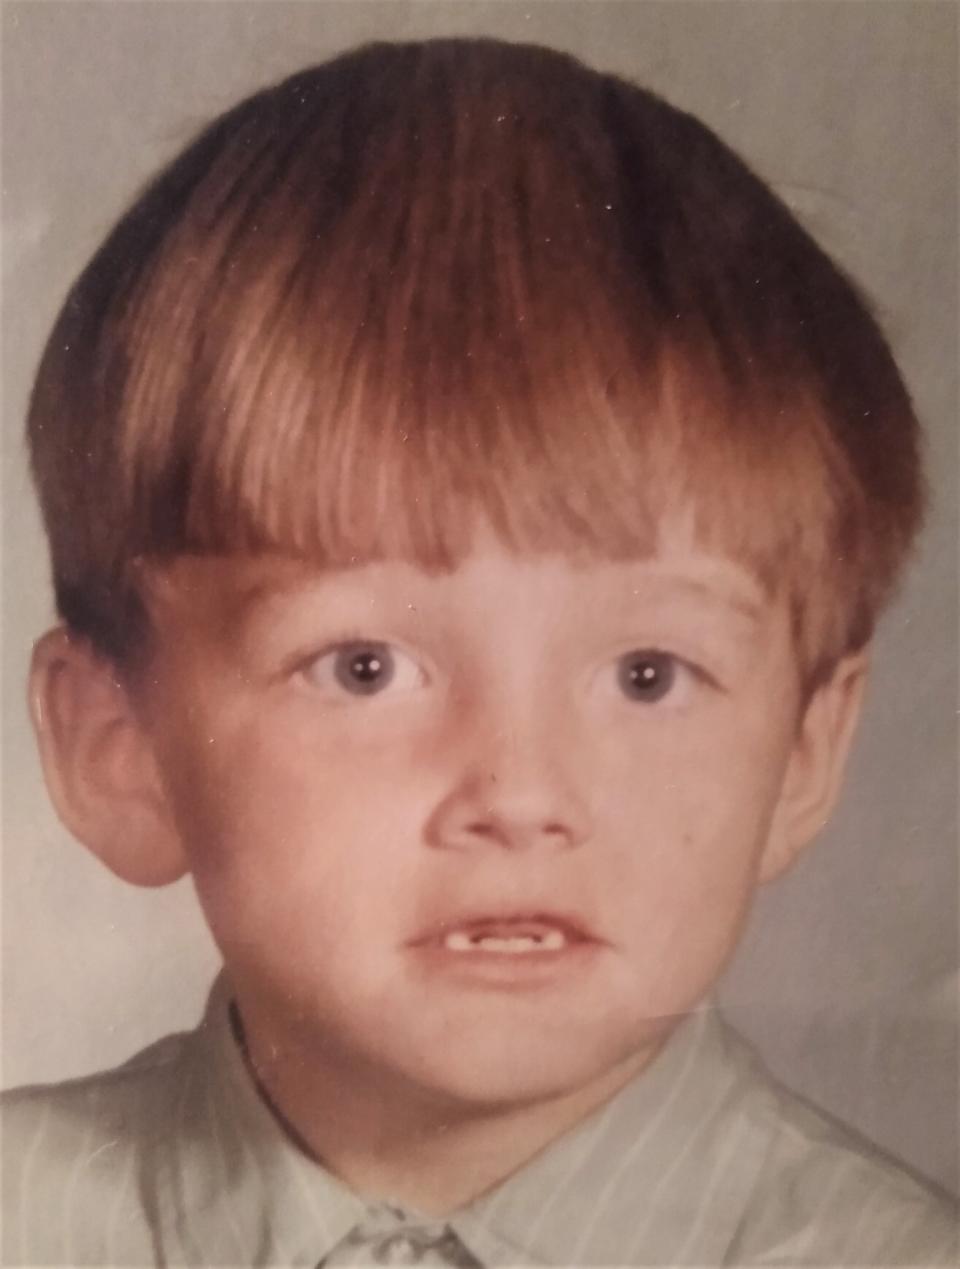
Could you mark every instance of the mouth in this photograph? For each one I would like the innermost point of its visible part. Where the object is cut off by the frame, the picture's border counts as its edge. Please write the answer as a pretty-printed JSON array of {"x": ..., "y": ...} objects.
[
  {"x": 523, "y": 935},
  {"x": 510, "y": 952},
  {"x": 508, "y": 943}
]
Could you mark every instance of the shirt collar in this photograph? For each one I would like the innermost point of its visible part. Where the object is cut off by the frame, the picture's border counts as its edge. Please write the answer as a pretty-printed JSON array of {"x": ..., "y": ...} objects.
[
  {"x": 649, "y": 1178},
  {"x": 645, "y": 1179}
]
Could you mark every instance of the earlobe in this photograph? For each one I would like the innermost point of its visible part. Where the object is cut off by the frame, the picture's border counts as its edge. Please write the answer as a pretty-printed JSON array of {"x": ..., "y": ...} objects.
[
  {"x": 816, "y": 765},
  {"x": 99, "y": 764}
]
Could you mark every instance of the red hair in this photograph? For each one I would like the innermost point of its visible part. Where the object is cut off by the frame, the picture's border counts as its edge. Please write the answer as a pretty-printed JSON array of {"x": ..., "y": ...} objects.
[{"x": 427, "y": 280}]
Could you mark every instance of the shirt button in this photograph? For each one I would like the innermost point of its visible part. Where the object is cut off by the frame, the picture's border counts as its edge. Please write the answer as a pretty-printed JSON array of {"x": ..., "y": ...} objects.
[{"x": 398, "y": 1249}]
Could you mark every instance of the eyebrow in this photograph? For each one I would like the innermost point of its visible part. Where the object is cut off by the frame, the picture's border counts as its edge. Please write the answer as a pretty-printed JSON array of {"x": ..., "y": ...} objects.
[
  {"x": 733, "y": 598},
  {"x": 294, "y": 583},
  {"x": 289, "y": 584},
  {"x": 721, "y": 596},
  {"x": 268, "y": 590}
]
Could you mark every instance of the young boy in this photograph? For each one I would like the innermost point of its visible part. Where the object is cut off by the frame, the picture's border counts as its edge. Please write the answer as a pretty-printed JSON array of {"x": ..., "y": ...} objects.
[{"x": 470, "y": 496}]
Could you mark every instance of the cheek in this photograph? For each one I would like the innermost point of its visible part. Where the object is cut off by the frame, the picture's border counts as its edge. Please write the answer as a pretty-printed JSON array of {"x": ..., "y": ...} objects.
[
  {"x": 686, "y": 843},
  {"x": 281, "y": 818},
  {"x": 690, "y": 808}
]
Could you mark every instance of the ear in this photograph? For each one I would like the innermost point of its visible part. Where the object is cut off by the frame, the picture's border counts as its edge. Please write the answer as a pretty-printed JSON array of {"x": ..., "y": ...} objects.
[
  {"x": 816, "y": 764},
  {"x": 98, "y": 762}
]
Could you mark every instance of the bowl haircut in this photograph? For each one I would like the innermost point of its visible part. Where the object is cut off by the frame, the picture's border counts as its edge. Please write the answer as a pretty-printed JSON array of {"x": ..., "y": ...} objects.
[{"x": 427, "y": 282}]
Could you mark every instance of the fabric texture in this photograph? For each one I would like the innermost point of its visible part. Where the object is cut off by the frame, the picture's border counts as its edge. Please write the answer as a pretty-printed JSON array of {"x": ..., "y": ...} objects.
[{"x": 174, "y": 1159}]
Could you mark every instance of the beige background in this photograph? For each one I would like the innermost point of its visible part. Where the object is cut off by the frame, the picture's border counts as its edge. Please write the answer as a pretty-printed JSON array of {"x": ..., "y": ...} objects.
[{"x": 847, "y": 980}]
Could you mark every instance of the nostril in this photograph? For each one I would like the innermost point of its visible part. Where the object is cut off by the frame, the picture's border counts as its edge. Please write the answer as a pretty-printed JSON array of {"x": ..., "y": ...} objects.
[
  {"x": 525, "y": 811},
  {"x": 510, "y": 831},
  {"x": 480, "y": 828}
]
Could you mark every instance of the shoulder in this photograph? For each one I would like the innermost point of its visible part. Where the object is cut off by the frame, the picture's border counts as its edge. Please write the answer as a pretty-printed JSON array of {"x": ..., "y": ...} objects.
[
  {"x": 74, "y": 1155},
  {"x": 825, "y": 1195}
]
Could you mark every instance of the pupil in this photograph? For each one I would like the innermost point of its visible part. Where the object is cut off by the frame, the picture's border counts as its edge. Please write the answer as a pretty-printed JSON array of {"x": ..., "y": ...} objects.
[
  {"x": 365, "y": 669},
  {"x": 366, "y": 666},
  {"x": 647, "y": 676}
]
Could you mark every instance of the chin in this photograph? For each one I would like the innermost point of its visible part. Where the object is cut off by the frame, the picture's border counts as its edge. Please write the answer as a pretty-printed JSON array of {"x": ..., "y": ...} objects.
[{"x": 513, "y": 1070}]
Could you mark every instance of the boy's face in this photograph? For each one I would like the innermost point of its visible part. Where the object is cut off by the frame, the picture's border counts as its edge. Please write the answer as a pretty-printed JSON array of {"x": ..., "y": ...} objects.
[{"x": 483, "y": 834}]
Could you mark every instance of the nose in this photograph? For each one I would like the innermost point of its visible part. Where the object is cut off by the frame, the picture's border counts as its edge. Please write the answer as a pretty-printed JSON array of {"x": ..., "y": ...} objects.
[{"x": 511, "y": 791}]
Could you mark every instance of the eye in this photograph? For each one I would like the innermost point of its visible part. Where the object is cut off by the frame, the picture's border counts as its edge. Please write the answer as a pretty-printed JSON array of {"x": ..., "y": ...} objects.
[
  {"x": 647, "y": 675},
  {"x": 363, "y": 668}
]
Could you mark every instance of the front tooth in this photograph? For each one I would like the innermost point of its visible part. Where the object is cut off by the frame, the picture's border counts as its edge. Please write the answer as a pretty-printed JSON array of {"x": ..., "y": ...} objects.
[
  {"x": 457, "y": 941},
  {"x": 519, "y": 944}
]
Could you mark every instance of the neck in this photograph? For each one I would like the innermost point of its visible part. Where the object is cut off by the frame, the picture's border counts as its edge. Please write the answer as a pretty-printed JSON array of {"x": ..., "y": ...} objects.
[{"x": 386, "y": 1138}]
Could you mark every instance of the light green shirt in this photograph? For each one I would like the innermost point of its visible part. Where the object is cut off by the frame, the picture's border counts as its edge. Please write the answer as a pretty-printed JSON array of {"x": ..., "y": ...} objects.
[{"x": 173, "y": 1159}]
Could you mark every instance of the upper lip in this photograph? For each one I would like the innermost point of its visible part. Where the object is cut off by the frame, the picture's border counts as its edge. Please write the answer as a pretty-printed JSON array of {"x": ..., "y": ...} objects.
[{"x": 505, "y": 922}]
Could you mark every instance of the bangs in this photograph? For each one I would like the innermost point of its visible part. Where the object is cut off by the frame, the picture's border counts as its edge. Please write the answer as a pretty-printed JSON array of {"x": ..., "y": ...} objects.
[
  {"x": 329, "y": 440},
  {"x": 428, "y": 284},
  {"x": 552, "y": 441}
]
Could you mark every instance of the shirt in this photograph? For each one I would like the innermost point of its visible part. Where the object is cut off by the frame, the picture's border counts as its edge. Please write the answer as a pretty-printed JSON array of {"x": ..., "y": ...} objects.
[{"x": 174, "y": 1159}]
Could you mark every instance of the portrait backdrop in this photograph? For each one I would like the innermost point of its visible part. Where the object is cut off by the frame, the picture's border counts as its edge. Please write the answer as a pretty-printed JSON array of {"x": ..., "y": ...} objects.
[{"x": 847, "y": 979}]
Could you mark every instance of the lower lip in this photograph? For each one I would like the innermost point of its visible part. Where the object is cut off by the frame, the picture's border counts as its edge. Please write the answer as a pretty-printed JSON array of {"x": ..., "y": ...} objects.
[{"x": 510, "y": 969}]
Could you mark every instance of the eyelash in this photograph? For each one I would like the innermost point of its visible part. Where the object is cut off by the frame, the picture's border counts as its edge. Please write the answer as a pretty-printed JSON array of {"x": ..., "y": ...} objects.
[
  {"x": 644, "y": 676},
  {"x": 647, "y": 675},
  {"x": 685, "y": 683},
  {"x": 376, "y": 650}
]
